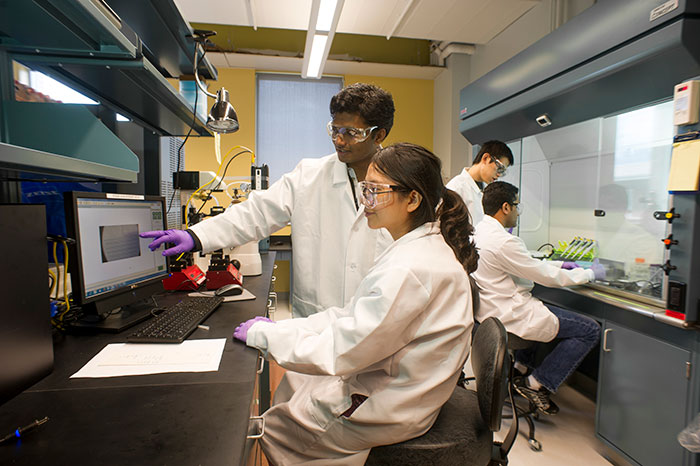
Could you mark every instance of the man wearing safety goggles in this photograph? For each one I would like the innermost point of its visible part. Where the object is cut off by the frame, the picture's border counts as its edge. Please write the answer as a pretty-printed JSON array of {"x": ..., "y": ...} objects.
[
  {"x": 332, "y": 246},
  {"x": 490, "y": 163}
]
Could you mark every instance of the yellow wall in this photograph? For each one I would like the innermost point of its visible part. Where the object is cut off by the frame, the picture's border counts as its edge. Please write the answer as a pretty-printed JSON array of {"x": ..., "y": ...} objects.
[
  {"x": 199, "y": 151},
  {"x": 413, "y": 99}
]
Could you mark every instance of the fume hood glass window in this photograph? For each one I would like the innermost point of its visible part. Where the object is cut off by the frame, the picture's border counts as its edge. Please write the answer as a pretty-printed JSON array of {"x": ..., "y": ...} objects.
[
  {"x": 600, "y": 181},
  {"x": 35, "y": 86},
  {"x": 292, "y": 114},
  {"x": 634, "y": 167},
  {"x": 513, "y": 172}
]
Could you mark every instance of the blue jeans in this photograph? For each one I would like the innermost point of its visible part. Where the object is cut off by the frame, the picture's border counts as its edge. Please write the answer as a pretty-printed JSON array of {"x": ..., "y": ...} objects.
[{"x": 576, "y": 337}]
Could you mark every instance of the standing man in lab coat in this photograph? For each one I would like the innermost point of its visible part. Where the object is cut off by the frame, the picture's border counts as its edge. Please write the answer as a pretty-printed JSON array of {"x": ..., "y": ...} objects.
[
  {"x": 490, "y": 163},
  {"x": 505, "y": 276},
  {"x": 332, "y": 246}
]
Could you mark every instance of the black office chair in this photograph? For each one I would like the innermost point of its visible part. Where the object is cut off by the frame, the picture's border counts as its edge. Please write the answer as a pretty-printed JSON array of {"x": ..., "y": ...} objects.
[
  {"x": 530, "y": 414},
  {"x": 463, "y": 432}
]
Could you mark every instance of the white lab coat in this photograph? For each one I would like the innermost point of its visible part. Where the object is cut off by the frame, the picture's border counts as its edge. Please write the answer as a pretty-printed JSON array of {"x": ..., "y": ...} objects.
[
  {"x": 332, "y": 246},
  {"x": 402, "y": 342},
  {"x": 505, "y": 276},
  {"x": 464, "y": 185}
]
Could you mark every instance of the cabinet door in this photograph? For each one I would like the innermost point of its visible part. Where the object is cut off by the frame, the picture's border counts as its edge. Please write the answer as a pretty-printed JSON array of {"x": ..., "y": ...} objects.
[{"x": 642, "y": 394}]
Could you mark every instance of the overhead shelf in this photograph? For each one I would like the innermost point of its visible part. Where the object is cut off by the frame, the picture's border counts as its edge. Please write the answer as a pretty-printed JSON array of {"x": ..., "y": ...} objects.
[
  {"x": 78, "y": 142},
  {"x": 28, "y": 160},
  {"x": 116, "y": 52},
  {"x": 66, "y": 27},
  {"x": 166, "y": 36},
  {"x": 133, "y": 88}
]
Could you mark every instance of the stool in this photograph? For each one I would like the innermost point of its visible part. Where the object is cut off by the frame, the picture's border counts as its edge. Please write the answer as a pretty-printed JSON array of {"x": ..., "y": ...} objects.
[
  {"x": 462, "y": 435},
  {"x": 531, "y": 413}
]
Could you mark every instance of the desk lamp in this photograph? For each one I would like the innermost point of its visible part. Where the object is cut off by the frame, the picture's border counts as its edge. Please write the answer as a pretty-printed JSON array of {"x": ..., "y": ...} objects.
[{"x": 222, "y": 117}]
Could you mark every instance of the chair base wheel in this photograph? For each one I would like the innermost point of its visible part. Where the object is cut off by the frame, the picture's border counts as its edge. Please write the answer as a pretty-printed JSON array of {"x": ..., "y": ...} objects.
[{"x": 534, "y": 444}]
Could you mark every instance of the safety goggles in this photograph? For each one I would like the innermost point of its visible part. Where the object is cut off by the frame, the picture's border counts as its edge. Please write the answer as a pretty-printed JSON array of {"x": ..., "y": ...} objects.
[
  {"x": 500, "y": 167},
  {"x": 375, "y": 195},
  {"x": 517, "y": 207},
  {"x": 349, "y": 134}
]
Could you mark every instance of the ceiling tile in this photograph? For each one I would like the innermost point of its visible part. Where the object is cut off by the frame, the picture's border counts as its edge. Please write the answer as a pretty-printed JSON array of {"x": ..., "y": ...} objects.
[{"x": 469, "y": 21}]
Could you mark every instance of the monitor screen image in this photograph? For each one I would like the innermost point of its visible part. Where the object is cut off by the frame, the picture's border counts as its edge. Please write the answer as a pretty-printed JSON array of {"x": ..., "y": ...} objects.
[{"x": 112, "y": 255}]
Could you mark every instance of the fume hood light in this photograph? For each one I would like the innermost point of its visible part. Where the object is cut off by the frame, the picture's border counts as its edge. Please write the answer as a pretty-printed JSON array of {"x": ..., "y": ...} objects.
[
  {"x": 222, "y": 117},
  {"x": 543, "y": 120}
]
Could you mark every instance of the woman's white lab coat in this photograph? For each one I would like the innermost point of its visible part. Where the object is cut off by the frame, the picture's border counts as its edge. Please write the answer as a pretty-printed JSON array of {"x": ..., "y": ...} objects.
[
  {"x": 333, "y": 248},
  {"x": 505, "y": 276},
  {"x": 401, "y": 341}
]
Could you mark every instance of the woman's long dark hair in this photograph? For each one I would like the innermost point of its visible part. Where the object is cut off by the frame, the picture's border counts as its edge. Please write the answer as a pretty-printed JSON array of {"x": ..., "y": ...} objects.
[{"x": 416, "y": 168}]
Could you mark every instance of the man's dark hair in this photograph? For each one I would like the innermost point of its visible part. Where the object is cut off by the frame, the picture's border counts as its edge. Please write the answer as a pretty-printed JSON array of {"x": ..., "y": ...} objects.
[
  {"x": 497, "y": 149},
  {"x": 372, "y": 103},
  {"x": 495, "y": 194}
]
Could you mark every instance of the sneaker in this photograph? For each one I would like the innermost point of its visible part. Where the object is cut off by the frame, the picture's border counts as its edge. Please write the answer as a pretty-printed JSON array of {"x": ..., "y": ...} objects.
[{"x": 540, "y": 398}]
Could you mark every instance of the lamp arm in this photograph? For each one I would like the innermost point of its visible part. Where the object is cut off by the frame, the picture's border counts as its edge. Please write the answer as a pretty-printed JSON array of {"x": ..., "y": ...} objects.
[{"x": 196, "y": 73}]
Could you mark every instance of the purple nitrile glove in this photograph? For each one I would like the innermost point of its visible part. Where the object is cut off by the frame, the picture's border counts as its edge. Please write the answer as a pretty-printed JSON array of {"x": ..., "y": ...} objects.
[
  {"x": 598, "y": 270},
  {"x": 569, "y": 265},
  {"x": 183, "y": 240},
  {"x": 241, "y": 332}
]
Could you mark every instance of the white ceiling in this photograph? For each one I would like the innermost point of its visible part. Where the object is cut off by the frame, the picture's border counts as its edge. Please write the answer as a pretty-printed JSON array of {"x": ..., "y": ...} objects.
[{"x": 466, "y": 21}]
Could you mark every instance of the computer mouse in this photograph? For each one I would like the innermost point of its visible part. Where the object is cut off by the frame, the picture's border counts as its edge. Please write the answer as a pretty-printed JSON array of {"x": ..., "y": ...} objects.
[{"x": 229, "y": 290}]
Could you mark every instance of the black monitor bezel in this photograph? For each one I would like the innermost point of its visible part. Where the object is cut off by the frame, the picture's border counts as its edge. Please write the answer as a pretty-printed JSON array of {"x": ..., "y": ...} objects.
[{"x": 75, "y": 253}]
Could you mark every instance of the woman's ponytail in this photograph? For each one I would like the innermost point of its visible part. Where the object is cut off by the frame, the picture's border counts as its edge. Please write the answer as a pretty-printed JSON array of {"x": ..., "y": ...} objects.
[
  {"x": 416, "y": 168},
  {"x": 456, "y": 228}
]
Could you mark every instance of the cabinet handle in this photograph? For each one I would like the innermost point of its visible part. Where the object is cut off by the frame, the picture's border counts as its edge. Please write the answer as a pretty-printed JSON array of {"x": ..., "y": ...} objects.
[
  {"x": 262, "y": 365},
  {"x": 605, "y": 340},
  {"x": 262, "y": 427}
]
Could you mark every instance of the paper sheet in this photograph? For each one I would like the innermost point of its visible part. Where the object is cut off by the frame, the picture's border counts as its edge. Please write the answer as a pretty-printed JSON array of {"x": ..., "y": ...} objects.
[
  {"x": 685, "y": 166},
  {"x": 119, "y": 359}
]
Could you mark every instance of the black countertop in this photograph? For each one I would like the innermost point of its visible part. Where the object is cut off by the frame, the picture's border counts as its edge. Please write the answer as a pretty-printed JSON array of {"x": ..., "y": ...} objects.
[{"x": 183, "y": 418}]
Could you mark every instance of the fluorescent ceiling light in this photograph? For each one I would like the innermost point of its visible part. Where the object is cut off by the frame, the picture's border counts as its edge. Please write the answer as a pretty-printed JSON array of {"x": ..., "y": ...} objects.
[
  {"x": 318, "y": 46},
  {"x": 322, "y": 24},
  {"x": 325, "y": 15}
]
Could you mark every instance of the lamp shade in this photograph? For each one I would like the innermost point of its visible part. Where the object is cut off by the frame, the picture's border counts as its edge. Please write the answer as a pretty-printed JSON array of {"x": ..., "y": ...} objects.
[{"x": 222, "y": 117}]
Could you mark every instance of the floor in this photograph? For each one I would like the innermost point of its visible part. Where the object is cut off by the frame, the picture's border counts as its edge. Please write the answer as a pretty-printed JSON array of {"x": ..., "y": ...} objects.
[{"x": 567, "y": 438}]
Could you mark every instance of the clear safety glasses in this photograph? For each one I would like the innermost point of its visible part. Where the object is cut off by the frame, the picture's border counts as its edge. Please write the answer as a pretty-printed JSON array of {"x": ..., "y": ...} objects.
[
  {"x": 376, "y": 195},
  {"x": 517, "y": 207},
  {"x": 500, "y": 168},
  {"x": 349, "y": 134}
]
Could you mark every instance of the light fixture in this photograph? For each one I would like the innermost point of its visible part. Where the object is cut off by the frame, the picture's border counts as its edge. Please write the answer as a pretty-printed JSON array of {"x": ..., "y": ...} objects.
[
  {"x": 544, "y": 120},
  {"x": 222, "y": 117},
  {"x": 322, "y": 25}
]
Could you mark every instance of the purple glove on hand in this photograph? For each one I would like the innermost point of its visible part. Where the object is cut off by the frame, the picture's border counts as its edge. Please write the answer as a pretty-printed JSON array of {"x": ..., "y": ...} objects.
[
  {"x": 241, "y": 332},
  {"x": 598, "y": 270},
  {"x": 570, "y": 265},
  {"x": 183, "y": 240}
]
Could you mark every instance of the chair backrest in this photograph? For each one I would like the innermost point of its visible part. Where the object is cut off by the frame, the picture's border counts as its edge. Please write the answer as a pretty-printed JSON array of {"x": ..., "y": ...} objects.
[
  {"x": 475, "y": 294},
  {"x": 489, "y": 361}
]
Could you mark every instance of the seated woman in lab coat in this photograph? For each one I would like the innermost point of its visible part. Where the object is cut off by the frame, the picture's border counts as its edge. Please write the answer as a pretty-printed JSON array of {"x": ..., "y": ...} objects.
[{"x": 377, "y": 371}]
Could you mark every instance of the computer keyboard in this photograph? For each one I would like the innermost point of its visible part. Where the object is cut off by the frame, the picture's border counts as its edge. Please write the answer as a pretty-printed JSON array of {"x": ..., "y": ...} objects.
[{"x": 176, "y": 323}]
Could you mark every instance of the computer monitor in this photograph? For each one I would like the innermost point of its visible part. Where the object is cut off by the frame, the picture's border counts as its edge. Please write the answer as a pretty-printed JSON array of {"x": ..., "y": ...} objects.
[{"x": 113, "y": 273}]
